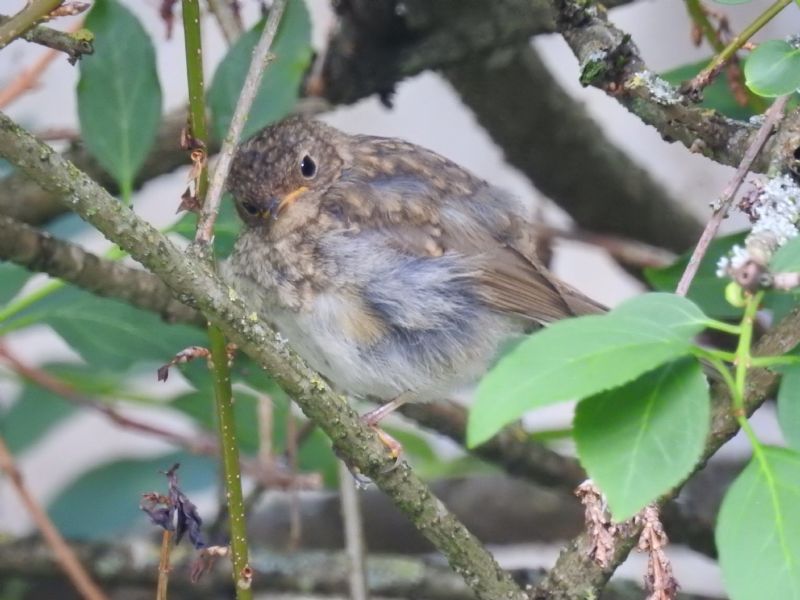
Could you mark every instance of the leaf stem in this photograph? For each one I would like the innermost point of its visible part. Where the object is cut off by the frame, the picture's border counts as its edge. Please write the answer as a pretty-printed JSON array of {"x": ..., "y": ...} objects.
[
  {"x": 703, "y": 77},
  {"x": 725, "y": 327},
  {"x": 743, "y": 357}
]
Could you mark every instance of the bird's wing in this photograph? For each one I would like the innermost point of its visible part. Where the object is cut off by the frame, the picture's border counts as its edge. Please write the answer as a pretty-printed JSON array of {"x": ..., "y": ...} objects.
[{"x": 477, "y": 222}]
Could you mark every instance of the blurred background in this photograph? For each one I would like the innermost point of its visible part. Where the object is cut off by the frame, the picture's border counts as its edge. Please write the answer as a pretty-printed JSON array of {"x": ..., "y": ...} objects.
[{"x": 60, "y": 455}]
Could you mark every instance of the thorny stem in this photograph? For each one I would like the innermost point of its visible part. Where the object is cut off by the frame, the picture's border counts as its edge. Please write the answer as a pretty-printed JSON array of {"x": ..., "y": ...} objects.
[
  {"x": 771, "y": 118},
  {"x": 63, "y": 553},
  {"x": 702, "y": 79},
  {"x": 226, "y": 422},
  {"x": 25, "y": 19},
  {"x": 258, "y": 64}
]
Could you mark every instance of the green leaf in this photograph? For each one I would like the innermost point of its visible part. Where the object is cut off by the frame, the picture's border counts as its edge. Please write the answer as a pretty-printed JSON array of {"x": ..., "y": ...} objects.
[
  {"x": 773, "y": 69},
  {"x": 33, "y": 414},
  {"x": 674, "y": 312},
  {"x": 119, "y": 97},
  {"x": 638, "y": 441},
  {"x": 280, "y": 86},
  {"x": 12, "y": 278},
  {"x": 105, "y": 501},
  {"x": 707, "y": 290},
  {"x": 107, "y": 332},
  {"x": 570, "y": 360},
  {"x": 717, "y": 95},
  {"x": 789, "y": 405},
  {"x": 787, "y": 258},
  {"x": 758, "y": 528}
]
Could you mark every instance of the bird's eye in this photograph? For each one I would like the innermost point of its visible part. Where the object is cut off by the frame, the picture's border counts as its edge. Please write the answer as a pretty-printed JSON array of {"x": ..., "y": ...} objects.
[
  {"x": 250, "y": 208},
  {"x": 308, "y": 167}
]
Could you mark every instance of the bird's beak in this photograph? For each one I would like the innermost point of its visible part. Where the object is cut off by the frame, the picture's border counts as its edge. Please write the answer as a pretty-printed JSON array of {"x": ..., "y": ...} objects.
[{"x": 277, "y": 205}]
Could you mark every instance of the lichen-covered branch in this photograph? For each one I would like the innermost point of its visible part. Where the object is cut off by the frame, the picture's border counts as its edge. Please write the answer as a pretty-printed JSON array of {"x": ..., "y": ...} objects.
[
  {"x": 42, "y": 253},
  {"x": 192, "y": 281},
  {"x": 73, "y": 45},
  {"x": 31, "y": 13},
  {"x": 610, "y": 61}
]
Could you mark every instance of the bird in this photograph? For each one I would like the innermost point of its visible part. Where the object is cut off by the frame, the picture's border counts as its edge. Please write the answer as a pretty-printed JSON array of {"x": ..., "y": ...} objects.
[{"x": 394, "y": 272}]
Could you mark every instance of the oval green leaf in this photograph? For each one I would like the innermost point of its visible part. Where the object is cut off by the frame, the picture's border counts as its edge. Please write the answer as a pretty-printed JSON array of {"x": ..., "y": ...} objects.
[
  {"x": 119, "y": 97},
  {"x": 280, "y": 86},
  {"x": 570, "y": 360},
  {"x": 107, "y": 332},
  {"x": 675, "y": 312},
  {"x": 773, "y": 69},
  {"x": 758, "y": 528},
  {"x": 639, "y": 440},
  {"x": 789, "y": 405}
]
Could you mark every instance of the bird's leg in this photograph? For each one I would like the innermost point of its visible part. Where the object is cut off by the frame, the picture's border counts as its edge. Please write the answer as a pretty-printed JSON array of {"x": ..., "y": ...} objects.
[{"x": 375, "y": 416}]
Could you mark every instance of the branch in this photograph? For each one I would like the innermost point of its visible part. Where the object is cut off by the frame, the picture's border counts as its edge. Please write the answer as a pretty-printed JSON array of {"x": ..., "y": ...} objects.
[
  {"x": 258, "y": 64},
  {"x": 269, "y": 476},
  {"x": 771, "y": 119},
  {"x": 448, "y": 36},
  {"x": 356, "y": 443},
  {"x": 34, "y": 11},
  {"x": 65, "y": 557},
  {"x": 550, "y": 138},
  {"x": 376, "y": 45},
  {"x": 610, "y": 61},
  {"x": 41, "y": 253},
  {"x": 72, "y": 44},
  {"x": 300, "y": 574}
]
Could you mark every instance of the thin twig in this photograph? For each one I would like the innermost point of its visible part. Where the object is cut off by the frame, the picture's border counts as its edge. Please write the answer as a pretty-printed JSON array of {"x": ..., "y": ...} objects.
[
  {"x": 27, "y": 79},
  {"x": 74, "y": 46},
  {"x": 627, "y": 251},
  {"x": 64, "y": 555},
  {"x": 275, "y": 477},
  {"x": 353, "y": 534},
  {"x": 295, "y": 519},
  {"x": 21, "y": 22},
  {"x": 163, "y": 566},
  {"x": 228, "y": 22},
  {"x": 258, "y": 64},
  {"x": 771, "y": 118},
  {"x": 704, "y": 77}
]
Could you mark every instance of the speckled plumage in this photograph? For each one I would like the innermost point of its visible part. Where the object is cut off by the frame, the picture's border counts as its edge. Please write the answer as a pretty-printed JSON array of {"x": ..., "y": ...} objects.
[{"x": 391, "y": 270}]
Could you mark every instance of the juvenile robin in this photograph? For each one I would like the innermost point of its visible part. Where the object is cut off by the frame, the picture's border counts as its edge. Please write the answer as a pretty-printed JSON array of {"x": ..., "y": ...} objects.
[{"x": 391, "y": 270}]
